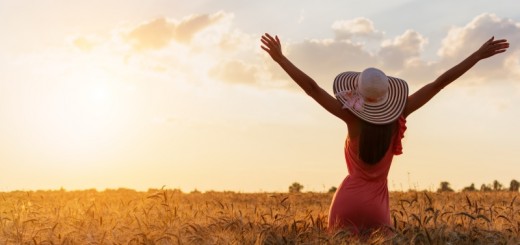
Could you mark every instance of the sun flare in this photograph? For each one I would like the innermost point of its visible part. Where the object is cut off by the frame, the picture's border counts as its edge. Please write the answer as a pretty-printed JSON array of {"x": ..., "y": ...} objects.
[{"x": 86, "y": 112}]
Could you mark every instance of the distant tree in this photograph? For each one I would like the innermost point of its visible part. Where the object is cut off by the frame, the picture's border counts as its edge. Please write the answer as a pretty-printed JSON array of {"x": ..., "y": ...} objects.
[
  {"x": 445, "y": 187},
  {"x": 484, "y": 187},
  {"x": 333, "y": 189},
  {"x": 497, "y": 186},
  {"x": 470, "y": 188},
  {"x": 514, "y": 186},
  {"x": 295, "y": 187}
]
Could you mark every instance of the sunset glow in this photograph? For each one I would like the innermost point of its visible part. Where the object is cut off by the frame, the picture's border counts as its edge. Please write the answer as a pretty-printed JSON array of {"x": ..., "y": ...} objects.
[{"x": 146, "y": 94}]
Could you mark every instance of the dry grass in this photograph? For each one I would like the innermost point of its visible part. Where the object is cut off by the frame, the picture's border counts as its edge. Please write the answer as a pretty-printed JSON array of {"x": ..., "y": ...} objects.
[{"x": 171, "y": 217}]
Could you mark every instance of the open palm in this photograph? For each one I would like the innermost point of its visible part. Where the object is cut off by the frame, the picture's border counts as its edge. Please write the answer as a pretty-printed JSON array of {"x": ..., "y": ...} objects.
[{"x": 272, "y": 46}]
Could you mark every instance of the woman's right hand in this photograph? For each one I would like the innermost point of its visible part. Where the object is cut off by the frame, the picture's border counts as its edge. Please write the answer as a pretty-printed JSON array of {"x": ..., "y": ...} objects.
[
  {"x": 272, "y": 46},
  {"x": 491, "y": 47}
]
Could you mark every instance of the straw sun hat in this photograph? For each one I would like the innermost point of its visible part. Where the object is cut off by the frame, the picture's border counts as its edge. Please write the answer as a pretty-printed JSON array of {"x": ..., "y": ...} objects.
[{"x": 371, "y": 95}]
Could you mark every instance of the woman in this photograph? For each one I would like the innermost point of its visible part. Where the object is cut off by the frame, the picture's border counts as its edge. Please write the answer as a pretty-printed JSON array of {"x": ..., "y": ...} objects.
[{"x": 375, "y": 108}]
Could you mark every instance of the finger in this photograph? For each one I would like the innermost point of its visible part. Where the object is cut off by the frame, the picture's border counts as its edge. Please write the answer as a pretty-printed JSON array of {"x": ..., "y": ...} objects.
[
  {"x": 266, "y": 49},
  {"x": 266, "y": 36},
  {"x": 499, "y": 41},
  {"x": 277, "y": 40},
  {"x": 270, "y": 38},
  {"x": 491, "y": 39},
  {"x": 504, "y": 46},
  {"x": 501, "y": 46},
  {"x": 266, "y": 39},
  {"x": 267, "y": 43}
]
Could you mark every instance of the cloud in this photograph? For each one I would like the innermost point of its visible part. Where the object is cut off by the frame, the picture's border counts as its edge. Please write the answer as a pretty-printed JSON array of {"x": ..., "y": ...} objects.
[
  {"x": 402, "y": 55},
  {"x": 208, "y": 46},
  {"x": 85, "y": 43},
  {"x": 158, "y": 33},
  {"x": 359, "y": 27},
  {"x": 461, "y": 41},
  {"x": 512, "y": 63},
  {"x": 416, "y": 70},
  {"x": 197, "y": 48},
  {"x": 187, "y": 28},
  {"x": 394, "y": 54},
  {"x": 155, "y": 34},
  {"x": 235, "y": 71},
  {"x": 234, "y": 41},
  {"x": 323, "y": 59},
  {"x": 480, "y": 29}
]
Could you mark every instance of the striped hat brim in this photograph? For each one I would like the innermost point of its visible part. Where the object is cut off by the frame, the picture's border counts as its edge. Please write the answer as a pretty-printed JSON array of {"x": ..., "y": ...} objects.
[{"x": 382, "y": 113}]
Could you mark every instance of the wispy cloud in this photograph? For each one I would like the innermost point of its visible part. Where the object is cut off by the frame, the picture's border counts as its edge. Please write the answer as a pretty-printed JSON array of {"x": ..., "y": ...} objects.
[
  {"x": 360, "y": 27},
  {"x": 235, "y": 71},
  {"x": 210, "y": 48},
  {"x": 160, "y": 32}
]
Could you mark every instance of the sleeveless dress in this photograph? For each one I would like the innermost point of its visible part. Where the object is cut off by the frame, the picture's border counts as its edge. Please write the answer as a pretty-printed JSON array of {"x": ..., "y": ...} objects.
[{"x": 361, "y": 202}]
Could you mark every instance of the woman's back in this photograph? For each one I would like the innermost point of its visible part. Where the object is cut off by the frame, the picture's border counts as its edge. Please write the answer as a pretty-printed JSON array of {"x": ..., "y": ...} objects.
[{"x": 361, "y": 201}]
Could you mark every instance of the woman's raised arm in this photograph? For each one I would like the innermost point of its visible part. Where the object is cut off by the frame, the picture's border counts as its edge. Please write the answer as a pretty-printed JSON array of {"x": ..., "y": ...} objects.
[
  {"x": 423, "y": 95},
  {"x": 273, "y": 47}
]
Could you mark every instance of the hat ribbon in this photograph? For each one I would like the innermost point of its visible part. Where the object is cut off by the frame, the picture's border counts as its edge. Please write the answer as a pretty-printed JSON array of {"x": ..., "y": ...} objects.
[{"x": 353, "y": 100}]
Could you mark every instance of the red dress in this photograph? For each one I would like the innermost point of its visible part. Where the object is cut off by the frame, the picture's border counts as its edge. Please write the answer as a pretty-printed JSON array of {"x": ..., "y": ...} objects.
[{"x": 361, "y": 201}]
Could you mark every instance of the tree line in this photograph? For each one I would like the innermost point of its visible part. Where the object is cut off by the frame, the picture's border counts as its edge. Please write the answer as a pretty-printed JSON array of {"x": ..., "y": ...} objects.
[
  {"x": 444, "y": 187},
  {"x": 495, "y": 186}
]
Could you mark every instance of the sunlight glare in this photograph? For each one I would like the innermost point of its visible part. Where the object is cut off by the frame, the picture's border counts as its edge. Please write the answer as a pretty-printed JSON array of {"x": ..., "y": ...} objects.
[{"x": 86, "y": 118}]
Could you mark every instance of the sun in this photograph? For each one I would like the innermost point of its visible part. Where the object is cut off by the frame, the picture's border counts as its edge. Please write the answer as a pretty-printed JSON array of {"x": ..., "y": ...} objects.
[{"x": 84, "y": 118}]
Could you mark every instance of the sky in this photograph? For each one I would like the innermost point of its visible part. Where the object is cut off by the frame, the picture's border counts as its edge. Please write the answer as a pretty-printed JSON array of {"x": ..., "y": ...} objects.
[{"x": 145, "y": 94}]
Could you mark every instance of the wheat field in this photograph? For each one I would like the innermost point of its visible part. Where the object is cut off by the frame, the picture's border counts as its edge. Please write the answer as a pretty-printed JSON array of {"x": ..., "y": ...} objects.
[{"x": 161, "y": 216}]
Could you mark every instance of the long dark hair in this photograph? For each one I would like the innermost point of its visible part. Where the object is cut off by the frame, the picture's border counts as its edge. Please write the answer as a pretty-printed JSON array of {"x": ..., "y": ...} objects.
[{"x": 374, "y": 141}]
